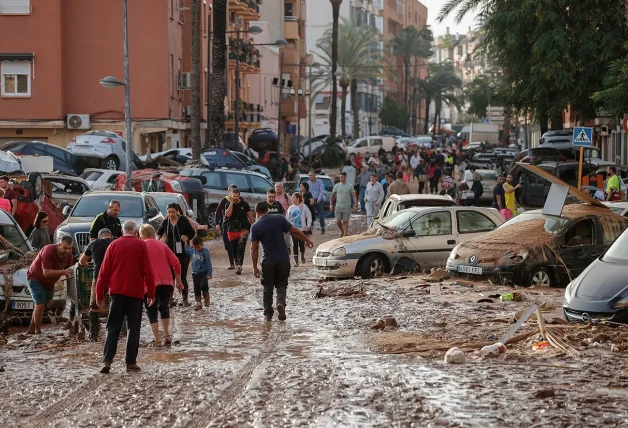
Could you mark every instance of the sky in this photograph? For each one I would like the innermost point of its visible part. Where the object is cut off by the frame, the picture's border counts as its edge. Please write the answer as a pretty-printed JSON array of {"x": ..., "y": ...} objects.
[{"x": 433, "y": 9}]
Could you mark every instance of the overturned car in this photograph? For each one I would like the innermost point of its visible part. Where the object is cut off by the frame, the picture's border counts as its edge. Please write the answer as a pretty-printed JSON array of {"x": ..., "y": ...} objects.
[{"x": 539, "y": 249}]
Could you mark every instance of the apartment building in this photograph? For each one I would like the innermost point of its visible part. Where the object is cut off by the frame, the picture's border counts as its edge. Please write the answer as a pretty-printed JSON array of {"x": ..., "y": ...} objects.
[
  {"x": 52, "y": 58},
  {"x": 287, "y": 20}
]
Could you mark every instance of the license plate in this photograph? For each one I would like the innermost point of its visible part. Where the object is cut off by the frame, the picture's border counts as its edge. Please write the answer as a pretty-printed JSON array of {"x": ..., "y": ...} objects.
[
  {"x": 23, "y": 305},
  {"x": 320, "y": 262},
  {"x": 470, "y": 269}
]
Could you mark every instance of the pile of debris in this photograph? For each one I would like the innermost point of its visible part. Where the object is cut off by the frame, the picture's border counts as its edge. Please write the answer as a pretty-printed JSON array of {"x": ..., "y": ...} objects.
[{"x": 346, "y": 291}]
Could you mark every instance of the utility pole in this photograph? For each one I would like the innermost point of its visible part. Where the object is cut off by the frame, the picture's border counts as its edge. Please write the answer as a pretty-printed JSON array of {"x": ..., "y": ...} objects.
[
  {"x": 127, "y": 102},
  {"x": 237, "y": 87},
  {"x": 195, "y": 74},
  {"x": 209, "y": 76},
  {"x": 280, "y": 84}
]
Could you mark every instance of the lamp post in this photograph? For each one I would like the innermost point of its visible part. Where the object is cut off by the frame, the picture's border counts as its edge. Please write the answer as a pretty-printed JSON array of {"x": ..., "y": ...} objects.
[
  {"x": 111, "y": 82},
  {"x": 252, "y": 30},
  {"x": 491, "y": 86}
]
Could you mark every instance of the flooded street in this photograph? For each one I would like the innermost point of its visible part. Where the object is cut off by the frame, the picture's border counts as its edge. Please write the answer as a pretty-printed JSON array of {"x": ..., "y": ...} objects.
[{"x": 324, "y": 366}]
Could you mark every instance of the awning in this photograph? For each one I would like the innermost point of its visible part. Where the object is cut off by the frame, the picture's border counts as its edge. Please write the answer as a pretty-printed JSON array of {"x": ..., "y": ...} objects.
[{"x": 16, "y": 56}]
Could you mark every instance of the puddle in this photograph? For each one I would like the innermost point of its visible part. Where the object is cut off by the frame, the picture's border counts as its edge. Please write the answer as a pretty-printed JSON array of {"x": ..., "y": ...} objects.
[{"x": 175, "y": 357}]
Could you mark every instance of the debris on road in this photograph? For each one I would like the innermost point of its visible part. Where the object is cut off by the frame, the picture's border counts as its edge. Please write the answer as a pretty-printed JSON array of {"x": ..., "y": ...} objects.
[
  {"x": 436, "y": 275},
  {"x": 544, "y": 393},
  {"x": 350, "y": 291},
  {"x": 386, "y": 323},
  {"x": 455, "y": 356},
  {"x": 494, "y": 349}
]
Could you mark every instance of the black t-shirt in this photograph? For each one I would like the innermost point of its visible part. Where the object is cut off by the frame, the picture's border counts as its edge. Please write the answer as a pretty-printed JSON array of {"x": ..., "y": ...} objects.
[
  {"x": 499, "y": 190},
  {"x": 174, "y": 233},
  {"x": 440, "y": 159},
  {"x": 239, "y": 219},
  {"x": 105, "y": 221},
  {"x": 306, "y": 200},
  {"x": 276, "y": 208},
  {"x": 96, "y": 250}
]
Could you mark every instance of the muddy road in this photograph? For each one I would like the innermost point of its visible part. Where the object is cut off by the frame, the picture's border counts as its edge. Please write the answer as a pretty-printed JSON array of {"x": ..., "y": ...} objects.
[{"x": 324, "y": 366}]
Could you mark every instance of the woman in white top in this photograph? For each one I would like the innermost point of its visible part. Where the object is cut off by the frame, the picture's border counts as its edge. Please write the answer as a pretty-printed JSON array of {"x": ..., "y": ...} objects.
[{"x": 300, "y": 217}]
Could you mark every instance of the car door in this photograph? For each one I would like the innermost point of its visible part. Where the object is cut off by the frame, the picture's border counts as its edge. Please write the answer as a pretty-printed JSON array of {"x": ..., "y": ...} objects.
[
  {"x": 111, "y": 182},
  {"x": 362, "y": 146},
  {"x": 259, "y": 188},
  {"x": 375, "y": 144},
  {"x": 471, "y": 224},
  {"x": 581, "y": 244},
  {"x": 434, "y": 238}
]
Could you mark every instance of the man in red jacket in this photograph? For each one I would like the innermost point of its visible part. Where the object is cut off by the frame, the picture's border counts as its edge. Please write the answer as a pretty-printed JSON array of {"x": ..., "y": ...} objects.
[{"x": 126, "y": 272}]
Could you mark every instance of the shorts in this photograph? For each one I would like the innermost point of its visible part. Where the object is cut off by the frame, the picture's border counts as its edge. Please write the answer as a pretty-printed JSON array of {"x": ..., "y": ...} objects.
[
  {"x": 342, "y": 215},
  {"x": 41, "y": 295}
]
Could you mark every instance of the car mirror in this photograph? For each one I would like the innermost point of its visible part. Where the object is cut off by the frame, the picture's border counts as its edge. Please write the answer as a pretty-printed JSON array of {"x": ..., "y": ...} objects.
[
  {"x": 66, "y": 211},
  {"x": 190, "y": 213},
  {"x": 153, "y": 212},
  {"x": 408, "y": 233}
]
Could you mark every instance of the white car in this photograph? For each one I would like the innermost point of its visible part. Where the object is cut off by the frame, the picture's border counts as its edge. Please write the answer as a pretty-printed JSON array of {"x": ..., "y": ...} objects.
[
  {"x": 181, "y": 155},
  {"x": 9, "y": 162},
  {"x": 66, "y": 190},
  {"x": 102, "y": 149},
  {"x": 100, "y": 179},
  {"x": 370, "y": 145},
  {"x": 620, "y": 207}
]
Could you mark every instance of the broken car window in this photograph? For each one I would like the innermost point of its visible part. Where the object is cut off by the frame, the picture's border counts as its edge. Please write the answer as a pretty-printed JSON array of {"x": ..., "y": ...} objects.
[{"x": 552, "y": 224}]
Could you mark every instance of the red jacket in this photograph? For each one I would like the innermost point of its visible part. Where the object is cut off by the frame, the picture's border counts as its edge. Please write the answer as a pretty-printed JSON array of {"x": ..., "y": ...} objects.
[{"x": 126, "y": 269}]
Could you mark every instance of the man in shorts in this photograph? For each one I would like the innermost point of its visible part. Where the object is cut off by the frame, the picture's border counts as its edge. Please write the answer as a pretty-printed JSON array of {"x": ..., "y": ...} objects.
[{"x": 344, "y": 195}]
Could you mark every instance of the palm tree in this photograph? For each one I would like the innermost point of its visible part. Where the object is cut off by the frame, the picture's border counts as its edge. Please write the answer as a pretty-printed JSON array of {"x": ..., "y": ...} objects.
[
  {"x": 359, "y": 58},
  {"x": 196, "y": 79},
  {"x": 411, "y": 44},
  {"x": 335, "y": 6},
  {"x": 216, "y": 121},
  {"x": 440, "y": 86}
]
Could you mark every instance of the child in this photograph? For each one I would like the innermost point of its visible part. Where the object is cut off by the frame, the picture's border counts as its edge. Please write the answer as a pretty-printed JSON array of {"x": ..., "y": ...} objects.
[
  {"x": 300, "y": 217},
  {"x": 201, "y": 270}
]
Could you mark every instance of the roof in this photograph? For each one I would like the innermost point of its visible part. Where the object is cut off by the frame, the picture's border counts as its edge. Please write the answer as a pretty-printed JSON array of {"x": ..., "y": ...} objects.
[
  {"x": 113, "y": 193},
  {"x": 416, "y": 197},
  {"x": 174, "y": 195},
  {"x": 574, "y": 211}
]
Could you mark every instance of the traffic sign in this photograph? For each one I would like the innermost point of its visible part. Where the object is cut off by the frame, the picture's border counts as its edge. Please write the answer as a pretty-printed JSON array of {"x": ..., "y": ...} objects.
[
  {"x": 485, "y": 120},
  {"x": 624, "y": 123},
  {"x": 582, "y": 137},
  {"x": 291, "y": 129}
]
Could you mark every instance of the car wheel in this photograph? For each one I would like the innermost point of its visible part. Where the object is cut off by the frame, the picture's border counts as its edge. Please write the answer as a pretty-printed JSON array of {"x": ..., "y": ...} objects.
[
  {"x": 38, "y": 189},
  {"x": 111, "y": 163},
  {"x": 211, "y": 216},
  {"x": 372, "y": 266},
  {"x": 540, "y": 277}
]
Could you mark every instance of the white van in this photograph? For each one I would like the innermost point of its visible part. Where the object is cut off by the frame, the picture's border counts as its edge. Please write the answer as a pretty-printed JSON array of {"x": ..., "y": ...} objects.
[{"x": 371, "y": 145}]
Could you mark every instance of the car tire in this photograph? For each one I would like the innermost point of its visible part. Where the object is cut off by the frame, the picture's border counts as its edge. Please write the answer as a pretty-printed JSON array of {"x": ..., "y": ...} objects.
[
  {"x": 540, "y": 277},
  {"x": 211, "y": 216},
  {"x": 111, "y": 163},
  {"x": 36, "y": 182},
  {"x": 372, "y": 266}
]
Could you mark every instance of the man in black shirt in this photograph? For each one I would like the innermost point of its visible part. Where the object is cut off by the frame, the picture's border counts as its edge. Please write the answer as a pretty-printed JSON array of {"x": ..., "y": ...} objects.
[
  {"x": 238, "y": 218},
  {"x": 274, "y": 207},
  {"x": 107, "y": 220},
  {"x": 95, "y": 251},
  {"x": 499, "y": 195}
]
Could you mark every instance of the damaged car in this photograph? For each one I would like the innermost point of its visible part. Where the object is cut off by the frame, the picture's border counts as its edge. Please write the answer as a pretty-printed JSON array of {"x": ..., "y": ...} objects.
[
  {"x": 411, "y": 239},
  {"x": 601, "y": 291},
  {"x": 539, "y": 249}
]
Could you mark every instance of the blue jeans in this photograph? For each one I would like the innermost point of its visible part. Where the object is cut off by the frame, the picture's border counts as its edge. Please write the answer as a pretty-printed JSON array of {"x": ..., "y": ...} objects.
[
  {"x": 362, "y": 194},
  {"x": 320, "y": 212}
]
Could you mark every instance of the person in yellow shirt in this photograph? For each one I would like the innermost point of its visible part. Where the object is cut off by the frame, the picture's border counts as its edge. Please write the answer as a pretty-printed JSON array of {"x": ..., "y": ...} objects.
[{"x": 509, "y": 190}]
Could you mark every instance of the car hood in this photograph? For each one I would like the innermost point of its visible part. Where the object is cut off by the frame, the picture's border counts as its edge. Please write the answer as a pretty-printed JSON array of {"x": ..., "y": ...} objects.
[
  {"x": 601, "y": 282},
  {"x": 19, "y": 277},
  {"x": 79, "y": 224},
  {"x": 364, "y": 239}
]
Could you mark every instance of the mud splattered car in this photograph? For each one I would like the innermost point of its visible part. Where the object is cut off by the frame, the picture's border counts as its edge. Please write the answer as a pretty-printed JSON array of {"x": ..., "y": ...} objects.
[{"x": 538, "y": 249}]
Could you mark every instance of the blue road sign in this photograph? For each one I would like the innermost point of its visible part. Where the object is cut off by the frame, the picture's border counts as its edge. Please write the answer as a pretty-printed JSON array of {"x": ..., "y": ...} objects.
[
  {"x": 485, "y": 120},
  {"x": 582, "y": 137},
  {"x": 291, "y": 129}
]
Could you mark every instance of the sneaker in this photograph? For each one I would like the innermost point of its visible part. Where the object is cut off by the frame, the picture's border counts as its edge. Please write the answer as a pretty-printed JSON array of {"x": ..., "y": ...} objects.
[
  {"x": 232, "y": 267},
  {"x": 133, "y": 368},
  {"x": 281, "y": 312},
  {"x": 238, "y": 270},
  {"x": 106, "y": 367}
]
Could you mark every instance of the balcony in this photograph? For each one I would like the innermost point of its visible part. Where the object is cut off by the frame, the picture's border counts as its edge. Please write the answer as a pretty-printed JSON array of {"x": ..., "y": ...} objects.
[
  {"x": 249, "y": 57},
  {"x": 249, "y": 114},
  {"x": 291, "y": 28},
  {"x": 251, "y": 12}
]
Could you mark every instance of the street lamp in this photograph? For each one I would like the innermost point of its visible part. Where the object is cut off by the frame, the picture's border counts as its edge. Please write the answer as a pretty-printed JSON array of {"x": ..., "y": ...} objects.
[
  {"x": 491, "y": 86},
  {"x": 111, "y": 82}
]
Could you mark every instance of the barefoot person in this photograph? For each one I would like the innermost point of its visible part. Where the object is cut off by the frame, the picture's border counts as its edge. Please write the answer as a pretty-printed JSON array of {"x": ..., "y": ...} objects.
[
  {"x": 126, "y": 272},
  {"x": 51, "y": 263},
  {"x": 269, "y": 230}
]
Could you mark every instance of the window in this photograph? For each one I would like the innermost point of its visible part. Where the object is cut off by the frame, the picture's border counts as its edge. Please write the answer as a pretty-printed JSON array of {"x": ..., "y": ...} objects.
[
  {"x": 112, "y": 179},
  {"x": 433, "y": 224},
  {"x": 580, "y": 234},
  {"x": 240, "y": 180},
  {"x": 34, "y": 149},
  {"x": 260, "y": 185},
  {"x": 15, "y": 7},
  {"x": 57, "y": 154},
  {"x": 377, "y": 142},
  {"x": 16, "y": 79},
  {"x": 362, "y": 143},
  {"x": 171, "y": 8},
  {"x": 472, "y": 222},
  {"x": 179, "y": 78},
  {"x": 288, "y": 9},
  {"x": 213, "y": 180},
  {"x": 170, "y": 66}
]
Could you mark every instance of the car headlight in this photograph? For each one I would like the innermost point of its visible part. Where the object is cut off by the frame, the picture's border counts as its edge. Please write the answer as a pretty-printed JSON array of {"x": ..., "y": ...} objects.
[
  {"x": 339, "y": 252},
  {"x": 60, "y": 233}
]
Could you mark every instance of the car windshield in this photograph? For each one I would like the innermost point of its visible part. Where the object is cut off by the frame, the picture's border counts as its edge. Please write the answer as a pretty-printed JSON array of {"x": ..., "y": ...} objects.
[
  {"x": 13, "y": 234},
  {"x": 91, "y": 175},
  {"x": 618, "y": 251},
  {"x": 553, "y": 224},
  {"x": 426, "y": 203},
  {"x": 398, "y": 219},
  {"x": 245, "y": 159},
  {"x": 617, "y": 210},
  {"x": 92, "y": 205},
  {"x": 163, "y": 201}
]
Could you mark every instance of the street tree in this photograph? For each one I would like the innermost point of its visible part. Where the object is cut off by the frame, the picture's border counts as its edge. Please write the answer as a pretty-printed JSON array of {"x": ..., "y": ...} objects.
[
  {"x": 335, "y": 7},
  {"x": 195, "y": 77},
  {"x": 394, "y": 113},
  {"x": 441, "y": 86},
  {"x": 411, "y": 45},
  {"x": 216, "y": 121},
  {"x": 613, "y": 98}
]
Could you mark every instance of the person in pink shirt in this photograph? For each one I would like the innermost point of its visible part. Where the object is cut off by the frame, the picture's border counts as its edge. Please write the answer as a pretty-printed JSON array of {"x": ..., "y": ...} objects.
[
  {"x": 161, "y": 259},
  {"x": 5, "y": 204},
  {"x": 282, "y": 198}
]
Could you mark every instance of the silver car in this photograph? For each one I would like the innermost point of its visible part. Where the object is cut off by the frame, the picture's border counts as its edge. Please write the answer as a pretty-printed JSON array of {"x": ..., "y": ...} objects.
[
  {"x": 102, "y": 149},
  {"x": 424, "y": 236},
  {"x": 66, "y": 190}
]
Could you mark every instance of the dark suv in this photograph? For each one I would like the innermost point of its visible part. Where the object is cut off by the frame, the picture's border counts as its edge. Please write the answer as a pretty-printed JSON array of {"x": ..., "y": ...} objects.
[
  {"x": 140, "y": 207},
  {"x": 536, "y": 188},
  {"x": 62, "y": 160}
]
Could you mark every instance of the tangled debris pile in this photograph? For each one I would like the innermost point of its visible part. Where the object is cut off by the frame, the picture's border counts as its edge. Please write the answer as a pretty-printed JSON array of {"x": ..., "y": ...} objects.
[{"x": 348, "y": 291}]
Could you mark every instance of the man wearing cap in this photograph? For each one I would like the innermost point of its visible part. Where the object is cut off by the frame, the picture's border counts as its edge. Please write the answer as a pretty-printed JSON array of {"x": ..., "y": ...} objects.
[
  {"x": 107, "y": 220},
  {"x": 95, "y": 251}
]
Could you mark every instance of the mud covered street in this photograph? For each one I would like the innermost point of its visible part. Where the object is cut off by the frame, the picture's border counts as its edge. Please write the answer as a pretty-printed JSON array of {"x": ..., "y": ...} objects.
[{"x": 326, "y": 365}]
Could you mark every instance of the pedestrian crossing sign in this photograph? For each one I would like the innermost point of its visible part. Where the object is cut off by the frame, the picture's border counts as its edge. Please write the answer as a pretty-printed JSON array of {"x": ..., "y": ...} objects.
[{"x": 582, "y": 137}]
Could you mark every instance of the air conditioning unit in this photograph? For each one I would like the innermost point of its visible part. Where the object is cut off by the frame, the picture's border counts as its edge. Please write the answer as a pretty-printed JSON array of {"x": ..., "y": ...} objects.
[
  {"x": 188, "y": 111},
  {"x": 77, "y": 121},
  {"x": 186, "y": 82},
  {"x": 604, "y": 130},
  {"x": 240, "y": 22}
]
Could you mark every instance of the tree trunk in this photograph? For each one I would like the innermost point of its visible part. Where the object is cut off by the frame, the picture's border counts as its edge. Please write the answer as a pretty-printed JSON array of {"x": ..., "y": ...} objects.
[
  {"x": 406, "y": 81},
  {"x": 426, "y": 126},
  {"x": 195, "y": 74},
  {"x": 543, "y": 117},
  {"x": 335, "y": 5},
  {"x": 507, "y": 126},
  {"x": 343, "y": 109},
  {"x": 355, "y": 108},
  {"x": 414, "y": 104},
  {"x": 557, "y": 120},
  {"x": 219, "y": 70}
]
